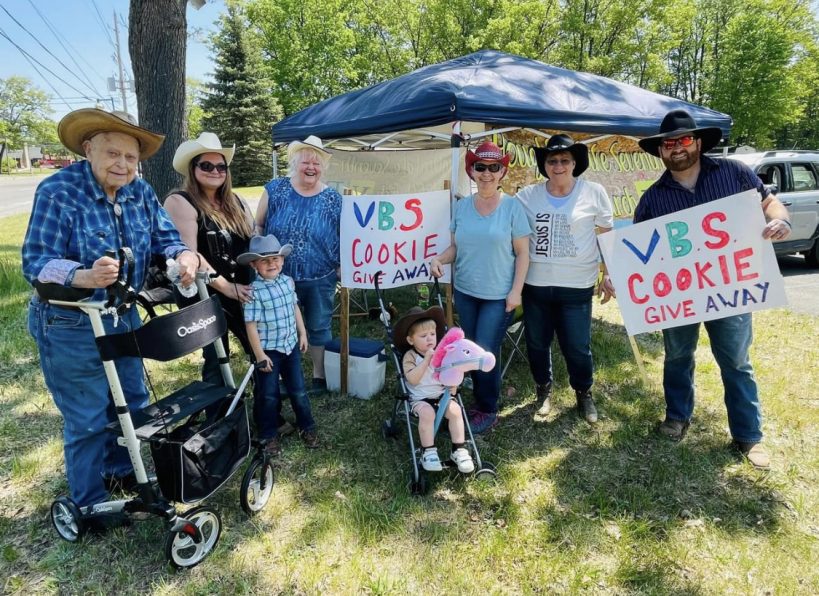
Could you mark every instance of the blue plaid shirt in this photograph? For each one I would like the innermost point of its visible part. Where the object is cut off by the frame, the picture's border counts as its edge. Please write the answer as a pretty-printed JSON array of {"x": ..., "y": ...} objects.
[
  {"x": 72, "y": 225},
  {"x": 274, "y": 310},
  {"x": 311, "y": 224},
  {"x": 717, "y": 179}
]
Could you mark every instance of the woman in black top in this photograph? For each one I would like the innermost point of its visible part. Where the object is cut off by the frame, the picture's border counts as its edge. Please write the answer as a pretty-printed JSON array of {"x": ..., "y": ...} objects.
[{"x": 207, "y": 203}]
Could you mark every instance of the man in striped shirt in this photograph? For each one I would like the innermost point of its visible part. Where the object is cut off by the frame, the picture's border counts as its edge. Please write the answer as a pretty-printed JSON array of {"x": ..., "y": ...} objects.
[{"x": 692, "y": 179}]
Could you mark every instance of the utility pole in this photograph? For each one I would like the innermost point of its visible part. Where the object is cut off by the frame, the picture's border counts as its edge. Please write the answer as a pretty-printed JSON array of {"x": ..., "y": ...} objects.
[{"x": 119, "y": 64}]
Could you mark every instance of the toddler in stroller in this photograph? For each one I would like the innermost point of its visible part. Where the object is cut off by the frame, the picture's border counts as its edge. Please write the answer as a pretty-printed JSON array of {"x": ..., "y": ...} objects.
[{"x": 416, "y": 335}]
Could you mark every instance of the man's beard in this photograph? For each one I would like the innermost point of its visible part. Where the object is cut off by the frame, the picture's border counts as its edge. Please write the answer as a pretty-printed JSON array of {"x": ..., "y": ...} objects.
[{"x": 680, "y": 165}]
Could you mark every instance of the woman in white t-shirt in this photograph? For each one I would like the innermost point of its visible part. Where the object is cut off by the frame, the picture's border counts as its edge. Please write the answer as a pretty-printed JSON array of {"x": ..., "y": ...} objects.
[{"x": 566, "y": 213}]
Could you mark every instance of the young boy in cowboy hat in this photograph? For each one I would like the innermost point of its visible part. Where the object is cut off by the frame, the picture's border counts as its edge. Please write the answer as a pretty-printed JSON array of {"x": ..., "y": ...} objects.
[
  {"x": 416, "y": 335},
  {"x": 277, "y": 336}
]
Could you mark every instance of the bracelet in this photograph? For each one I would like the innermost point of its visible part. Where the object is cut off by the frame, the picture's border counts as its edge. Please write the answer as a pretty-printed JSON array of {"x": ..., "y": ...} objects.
[{"x": 787, "y": 223}]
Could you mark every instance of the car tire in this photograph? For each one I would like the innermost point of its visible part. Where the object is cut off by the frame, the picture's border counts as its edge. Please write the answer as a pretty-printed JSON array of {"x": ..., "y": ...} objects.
[{"x": 812, "y": 255}]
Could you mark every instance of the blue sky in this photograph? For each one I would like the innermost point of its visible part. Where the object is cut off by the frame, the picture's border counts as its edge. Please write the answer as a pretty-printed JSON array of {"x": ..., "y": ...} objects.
[{"x": 84, "y": 28}]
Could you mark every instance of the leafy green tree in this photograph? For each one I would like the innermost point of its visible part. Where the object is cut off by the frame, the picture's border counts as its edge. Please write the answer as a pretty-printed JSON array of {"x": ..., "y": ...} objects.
[
  {"x": 240, "y": 106},
  {"x": 195, "y": 92},
  {"x": 24, "y": 111}
]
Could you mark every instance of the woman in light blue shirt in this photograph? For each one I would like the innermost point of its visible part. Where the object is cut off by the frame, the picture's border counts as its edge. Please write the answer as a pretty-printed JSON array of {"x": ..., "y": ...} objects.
[{"x": 490, "y": 249}]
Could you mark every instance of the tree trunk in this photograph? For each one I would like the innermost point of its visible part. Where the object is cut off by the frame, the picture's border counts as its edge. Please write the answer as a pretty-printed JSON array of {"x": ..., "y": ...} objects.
[{"x": 156, "y": 41}]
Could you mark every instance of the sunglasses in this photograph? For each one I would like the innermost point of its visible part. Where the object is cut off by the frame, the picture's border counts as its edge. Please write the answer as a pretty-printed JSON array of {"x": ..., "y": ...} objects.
[
  {"x": 559, "y": 162},
  {"x": 206, "y": 166},
  {"x": 685, "y": 141},
  {"x": 492, "y": 167}
]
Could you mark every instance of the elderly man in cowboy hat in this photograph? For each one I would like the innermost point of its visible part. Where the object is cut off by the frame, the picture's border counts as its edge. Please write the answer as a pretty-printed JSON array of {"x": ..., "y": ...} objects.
[
  {"x": 691, "y": 179},
  {"x": 79, "y": 213}
]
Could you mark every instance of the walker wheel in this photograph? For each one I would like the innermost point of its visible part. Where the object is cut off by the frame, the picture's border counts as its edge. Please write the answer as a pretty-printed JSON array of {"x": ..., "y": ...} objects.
[
  {"x": 182, "y": 549},
  {"x": 486, "y": 472},
  {"x": 257, "y": 485},
  {"x": 67, "y": 519}
]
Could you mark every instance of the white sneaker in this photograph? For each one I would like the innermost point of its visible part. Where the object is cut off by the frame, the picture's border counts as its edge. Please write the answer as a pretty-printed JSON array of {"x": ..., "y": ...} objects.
[
  {"x": 463, "y": 460},
  {"x": 430, "y": 460}
]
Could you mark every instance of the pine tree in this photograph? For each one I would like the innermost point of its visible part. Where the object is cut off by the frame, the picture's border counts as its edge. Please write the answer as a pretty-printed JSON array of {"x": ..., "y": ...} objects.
[{"x": 241, "y": 107}]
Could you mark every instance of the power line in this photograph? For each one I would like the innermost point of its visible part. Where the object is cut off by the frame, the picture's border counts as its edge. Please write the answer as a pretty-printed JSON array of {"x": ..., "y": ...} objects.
[
  {"x": 29, "y": 57},
  {"x": 57, "y": 93},
  {"x": 59, "y": 37},
  {"x": 50, "y": 53},
  {"x": 102, "y": 23}
]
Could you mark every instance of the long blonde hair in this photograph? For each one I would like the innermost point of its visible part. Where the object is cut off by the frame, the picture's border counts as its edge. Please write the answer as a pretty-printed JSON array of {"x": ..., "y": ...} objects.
[{"x": 232, "y": 216}]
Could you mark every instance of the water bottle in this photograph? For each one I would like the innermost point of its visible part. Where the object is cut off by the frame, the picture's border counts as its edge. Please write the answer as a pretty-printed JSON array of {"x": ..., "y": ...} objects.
[
  {"x": 173, "y": 274},
  {"x": 423, "y": 296}
]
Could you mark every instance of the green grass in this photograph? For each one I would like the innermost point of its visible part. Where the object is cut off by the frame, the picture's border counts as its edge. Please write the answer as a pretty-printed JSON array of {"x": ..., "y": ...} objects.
[{"x": 575, "y": 509}]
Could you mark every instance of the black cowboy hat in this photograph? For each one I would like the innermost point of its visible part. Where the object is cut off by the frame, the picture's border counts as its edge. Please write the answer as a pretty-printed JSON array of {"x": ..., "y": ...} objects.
[
  {"x": 556, "y": 143},
  {"x": 678, "y": 123},
  {"x": 416, "y": 313}
]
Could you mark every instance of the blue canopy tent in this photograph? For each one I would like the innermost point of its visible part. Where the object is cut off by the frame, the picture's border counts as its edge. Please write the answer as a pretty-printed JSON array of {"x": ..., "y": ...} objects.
[
  {"x": 445, "y": 104},
  {"x": 487, "y": 87}
]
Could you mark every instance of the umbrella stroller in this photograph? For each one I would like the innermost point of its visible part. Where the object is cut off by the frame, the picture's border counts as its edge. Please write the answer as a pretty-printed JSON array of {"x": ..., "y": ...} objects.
[
  {"x": 198, "y": 435},
  {"x": 402, "y": 408}
]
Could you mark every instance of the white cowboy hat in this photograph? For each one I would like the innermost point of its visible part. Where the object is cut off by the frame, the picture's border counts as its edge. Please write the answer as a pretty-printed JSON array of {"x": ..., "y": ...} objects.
[
  {"x": 311, "y": 142},
  {"x": 207, "y": 142},
  {"x": 80, "y": 125}
]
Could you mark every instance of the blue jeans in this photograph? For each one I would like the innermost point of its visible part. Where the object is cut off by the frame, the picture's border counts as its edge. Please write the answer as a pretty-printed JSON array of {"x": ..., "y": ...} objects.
[
  {"x": 316, "y": 301},
  {"x": 485, "y": 323},
  {"x": 730, "y": 341},
  {"x": 550, "y": 310},
  {"x": 267, "y": 396},
  {"x": 74, "y": 375}
]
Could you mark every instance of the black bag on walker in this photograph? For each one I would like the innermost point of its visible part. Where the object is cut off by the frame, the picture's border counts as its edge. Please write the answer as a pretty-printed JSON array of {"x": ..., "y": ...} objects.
[{"x": 196, "y": 458}]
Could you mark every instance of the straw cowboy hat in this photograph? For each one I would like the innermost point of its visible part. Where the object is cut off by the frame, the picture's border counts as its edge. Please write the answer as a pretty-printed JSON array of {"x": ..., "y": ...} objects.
[
  {"x": 311, "y": 142},
  {"x": 80, "y": 125},
  {"x": 416, "y": 313},
  {"x": 207, "y": 142},
  {"x": 678, "y": 123},
  {"x": 556, "y": 143},
  {"x": 263, "y": 246},
  {"x": 486, "y": 151}
]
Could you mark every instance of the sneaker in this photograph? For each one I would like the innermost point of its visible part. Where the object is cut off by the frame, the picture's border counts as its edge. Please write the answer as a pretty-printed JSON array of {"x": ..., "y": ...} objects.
[
  {"x": 318, "y": 387},
  {"x": 585, "y": 406},
  {"x": 755, "y": 454},
  {"x": 273, "y": 448},
  {"x": 286, "y": 428},
  {"x": 430, "y": 460},
  {"x": 673, "y": 429},
  {"x": 310, "y": 438},
  {"x": 544, "y": 394},
  {"x": 480, "y": 422},
  {"x": 461, "y": 458}
]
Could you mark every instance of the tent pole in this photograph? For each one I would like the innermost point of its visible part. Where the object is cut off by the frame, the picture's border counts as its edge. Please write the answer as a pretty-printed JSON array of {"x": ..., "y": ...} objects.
[{"x": 455, "y": 143}]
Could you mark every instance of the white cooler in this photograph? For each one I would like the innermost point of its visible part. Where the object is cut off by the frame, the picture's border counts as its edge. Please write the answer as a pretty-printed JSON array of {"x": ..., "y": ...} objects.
[{"x": 367, "y": 366}]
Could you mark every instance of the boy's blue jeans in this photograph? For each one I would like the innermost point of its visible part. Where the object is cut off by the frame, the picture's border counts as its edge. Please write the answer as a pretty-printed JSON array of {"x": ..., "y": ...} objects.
[
  {"x": 267, "y": 396},
  {"x": 74, "y": 375},
  {"x": 730, "y": 342}
]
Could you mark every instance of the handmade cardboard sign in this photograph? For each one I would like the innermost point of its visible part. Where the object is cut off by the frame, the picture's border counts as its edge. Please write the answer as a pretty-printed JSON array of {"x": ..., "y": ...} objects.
[
  {"x": 699, "y": 264},
  {"x": 396, "y": 235}
]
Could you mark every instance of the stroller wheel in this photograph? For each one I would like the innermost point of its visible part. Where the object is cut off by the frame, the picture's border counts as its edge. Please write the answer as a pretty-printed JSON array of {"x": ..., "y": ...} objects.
[
  {"x": 257, "y": 484},
  {"x": 388, "y": 430},
  {"x": 181, "y": 547},
  {"x": 486, "y": 472},
  {"x": 67, "y": 519},
  {"x": 420, "y": 487}
]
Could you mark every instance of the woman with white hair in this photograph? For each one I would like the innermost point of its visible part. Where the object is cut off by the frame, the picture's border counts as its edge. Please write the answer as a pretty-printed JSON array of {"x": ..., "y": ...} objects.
[
  {"x": 300, "y": 210},
  {"x": 207, "y": 203}
]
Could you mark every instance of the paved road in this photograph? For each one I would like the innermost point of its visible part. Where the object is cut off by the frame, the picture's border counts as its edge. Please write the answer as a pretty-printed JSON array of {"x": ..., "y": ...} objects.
[
  {"x": 801, "y": 283},
  {"x": 16, "y": 194}
]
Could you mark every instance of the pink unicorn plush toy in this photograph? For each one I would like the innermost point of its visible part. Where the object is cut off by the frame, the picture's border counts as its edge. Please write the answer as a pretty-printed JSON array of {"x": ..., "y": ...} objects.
[{"x": 456, "y": 355}]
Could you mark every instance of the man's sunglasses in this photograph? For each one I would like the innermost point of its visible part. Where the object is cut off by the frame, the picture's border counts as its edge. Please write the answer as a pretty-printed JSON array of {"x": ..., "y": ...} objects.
[
  {"x": 206, "y": 166},
  {"x": 492, "y": 167},
  {"x": 685, "y": 141}
]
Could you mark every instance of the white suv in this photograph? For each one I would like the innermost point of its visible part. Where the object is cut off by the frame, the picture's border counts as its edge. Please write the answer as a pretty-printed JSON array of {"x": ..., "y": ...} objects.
[{"x": 796, "y": 177}]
